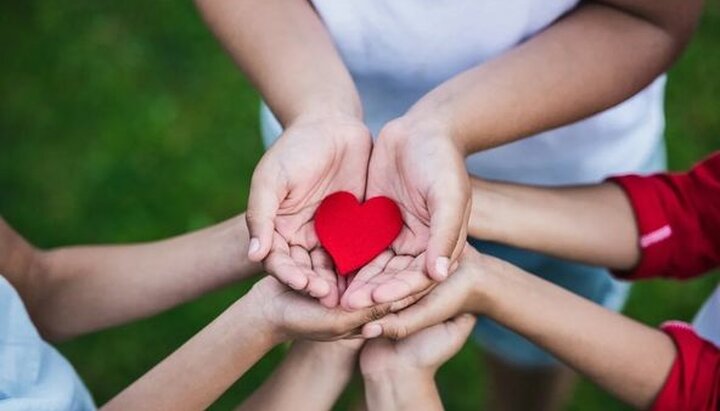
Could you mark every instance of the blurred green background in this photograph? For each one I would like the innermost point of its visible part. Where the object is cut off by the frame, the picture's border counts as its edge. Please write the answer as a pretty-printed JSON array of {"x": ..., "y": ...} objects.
[{"x": 125, "y": 121}]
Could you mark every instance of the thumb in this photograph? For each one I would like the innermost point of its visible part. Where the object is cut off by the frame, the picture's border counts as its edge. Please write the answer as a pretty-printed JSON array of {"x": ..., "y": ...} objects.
[
  {"x": 263, "y": 204},
  {"x": 448, "y": 228}
]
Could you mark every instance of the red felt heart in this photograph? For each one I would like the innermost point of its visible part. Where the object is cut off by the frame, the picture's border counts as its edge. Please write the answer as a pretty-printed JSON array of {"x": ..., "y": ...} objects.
[{"x": 353, "y": 233}]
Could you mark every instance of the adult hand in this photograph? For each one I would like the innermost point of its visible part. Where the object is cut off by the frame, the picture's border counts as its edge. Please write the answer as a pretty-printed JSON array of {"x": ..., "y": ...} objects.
[
  {"x": 463, "y": 292},
  {"x": 313, "y": 158},
  {"x": 289, "y": 315},
  {"x": 420, "y": 167}
]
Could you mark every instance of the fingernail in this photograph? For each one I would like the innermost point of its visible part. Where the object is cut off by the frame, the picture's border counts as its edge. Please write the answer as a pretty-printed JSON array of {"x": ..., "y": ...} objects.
[
  {"x": 372, "y": 331},
  {"x": 442, "y": 265},
  {"x": 254, "y": 246}
]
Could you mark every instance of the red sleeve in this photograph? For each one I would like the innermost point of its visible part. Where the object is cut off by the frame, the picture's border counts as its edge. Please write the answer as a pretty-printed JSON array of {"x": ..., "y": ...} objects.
[
  {"x": 694, "y": 380},
  {"x": 678, "y": 219}
]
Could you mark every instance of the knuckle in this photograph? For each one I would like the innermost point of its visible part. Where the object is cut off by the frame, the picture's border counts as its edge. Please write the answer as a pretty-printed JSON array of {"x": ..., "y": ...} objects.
[{"x": 377, "y": 312}]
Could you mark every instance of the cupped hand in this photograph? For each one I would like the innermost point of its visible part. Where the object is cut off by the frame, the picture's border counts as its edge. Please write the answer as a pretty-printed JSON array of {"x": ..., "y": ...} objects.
[
  {"x": 423, "y": 170},
  {"x": 424, "y": 352},
  {"x": 463, "y": 292},
  {"x": 312, "y": 159},
  {"x": 293, "y": 315}
]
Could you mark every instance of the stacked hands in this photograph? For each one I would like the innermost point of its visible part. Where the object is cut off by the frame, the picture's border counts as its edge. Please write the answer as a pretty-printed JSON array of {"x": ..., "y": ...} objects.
[{"x": 418, "y": 166}]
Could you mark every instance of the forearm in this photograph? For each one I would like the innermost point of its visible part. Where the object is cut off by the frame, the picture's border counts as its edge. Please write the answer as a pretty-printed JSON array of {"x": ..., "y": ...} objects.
[
  {"x": 402, "y": 392},
  {"x": 597, "y": 56},
  {"x": 591, "y": 224},
  {"x": 287, "y": 53},
  {"x": 311, "y": 377},
  {"x": 81, "y": 289},
  {"x": 195, "y": 375},
  {"x": 626, "y": 358}
]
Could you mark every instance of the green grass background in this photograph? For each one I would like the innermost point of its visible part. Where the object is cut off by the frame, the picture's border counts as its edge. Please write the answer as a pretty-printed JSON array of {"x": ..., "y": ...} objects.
[{"x": 124, "y": 121}]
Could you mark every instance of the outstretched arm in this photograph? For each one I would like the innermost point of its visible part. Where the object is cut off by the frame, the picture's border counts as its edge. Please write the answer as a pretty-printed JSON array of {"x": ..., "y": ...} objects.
[
  {"x": 203, "y": 368},
  {"x": 74, "y": 290},
  {"x": 626, "y": 358},
  {"x": 311, "y": 377},
  {"x": 591, "y": 224},
  {"x": 598, "y": 55}
]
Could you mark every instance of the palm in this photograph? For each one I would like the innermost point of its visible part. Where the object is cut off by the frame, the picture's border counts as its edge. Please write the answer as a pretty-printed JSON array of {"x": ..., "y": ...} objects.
[
  {"x": 418, "y": 175},
  {"x": 306, "y": 164}
]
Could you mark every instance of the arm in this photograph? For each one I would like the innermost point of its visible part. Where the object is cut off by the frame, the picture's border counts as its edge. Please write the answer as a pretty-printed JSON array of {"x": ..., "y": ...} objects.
[
  {"x": 400, "y": 375},
  {"x": 591, "y": 224},
  {"x": 311, "y": 377},
  {"x": 660, "y": 225},
  {"x": 203, "y": 368},
  {"x": 598, "y": 55},
  {"x": 195, "y": 375},
  {"x": 626, "y": 358},
  {"x": 287, "y": 53},
  {"x": 75, "y": 290},
  {"x": 401, "y": 392}
]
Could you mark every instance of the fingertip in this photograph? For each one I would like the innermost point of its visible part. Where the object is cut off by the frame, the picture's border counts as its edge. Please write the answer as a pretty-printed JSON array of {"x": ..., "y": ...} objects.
[
  {"x": 255, "y": 250},
  {"x": 441, "y": 269},
  {"x": 371, "y": 330},
  {"x": 318, "y": 288}
]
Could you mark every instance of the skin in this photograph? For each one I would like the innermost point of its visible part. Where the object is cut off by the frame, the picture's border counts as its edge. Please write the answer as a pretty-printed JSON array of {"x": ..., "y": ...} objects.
[
  {"x": 397, "y": 375},
  {"x": 580, "y": 333},
  {"x": 59, "y": 287},
  {"x": 311, "y": 377},
  {"x": 400, "y": 375},
  {"x": 596, "y": 56}
]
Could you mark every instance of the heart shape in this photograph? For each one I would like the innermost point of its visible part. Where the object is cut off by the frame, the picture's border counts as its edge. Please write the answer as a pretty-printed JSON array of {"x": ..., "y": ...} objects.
[{"x": 353, "y": 233}]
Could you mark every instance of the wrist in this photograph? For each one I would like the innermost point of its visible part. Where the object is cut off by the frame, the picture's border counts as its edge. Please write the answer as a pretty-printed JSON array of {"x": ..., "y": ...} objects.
[
  {"x": 484, "y": 291},
  {"x": 397, "y": 391},
  {"x": 434, "y": 116},
  {"x": 483, "y": 222},
  {"x": 252, "y": 306},
  {"x": 333, "y": 359}
]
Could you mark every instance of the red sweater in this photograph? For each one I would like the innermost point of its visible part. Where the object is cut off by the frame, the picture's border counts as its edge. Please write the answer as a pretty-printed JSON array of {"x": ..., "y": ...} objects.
[{"x": 678, "y": 219}]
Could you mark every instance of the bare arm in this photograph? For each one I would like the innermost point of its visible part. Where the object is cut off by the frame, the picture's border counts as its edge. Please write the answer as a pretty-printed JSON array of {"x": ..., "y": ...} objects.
[
  {"x": 626, "y": 358},
  {"x": 311, "y": 377},
  {"x": 74, "y": 290},
  {"x": 195, "y": 375},
  {"x": 598, "y": 55},
  {"x": 591, "y": 224},
  {"x": 287, "y": 53}
]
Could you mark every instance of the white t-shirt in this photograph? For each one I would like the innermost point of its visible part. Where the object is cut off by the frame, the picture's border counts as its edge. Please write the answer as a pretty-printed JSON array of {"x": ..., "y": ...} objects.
[
  {"x": 399, "y": 50},
  {"x": 33, "y": 375}
]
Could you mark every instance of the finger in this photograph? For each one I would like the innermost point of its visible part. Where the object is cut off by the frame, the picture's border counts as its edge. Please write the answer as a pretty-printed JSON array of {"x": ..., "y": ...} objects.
[
  {"x": 401, "y": 285},
  {"x": 263, "y": 204},
  {"x": 448, "y": 218},
  {"x": 359, "y": 290},
  {"x": 316, "y": 286},
  {"x": 281, "y": 265},
  {"x": 322, "y": 266},
  {"x": 461, "y": 326},
  {"x": 427, "y": 312}
]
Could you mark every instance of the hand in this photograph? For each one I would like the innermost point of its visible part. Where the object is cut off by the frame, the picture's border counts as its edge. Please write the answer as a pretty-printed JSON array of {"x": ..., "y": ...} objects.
[
  {"x": 463, "y": 292},
  {"x": 289, "y": 315},
  {"x": 423, "y": 352},
  {"x": 313, "y": 158},
  {"x": 422, "y": 169}
]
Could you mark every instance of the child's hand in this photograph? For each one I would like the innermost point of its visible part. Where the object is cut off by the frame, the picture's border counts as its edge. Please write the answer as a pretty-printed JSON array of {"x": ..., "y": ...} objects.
[
  {"x": 423, "y": 170},
  {"x": 287, "y": 314},
  {"x": 423, "y": 352},
  {"x": 463, "y": 292},
  {"x": 312, "y": 159}
]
